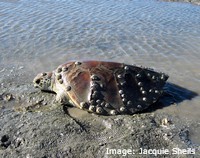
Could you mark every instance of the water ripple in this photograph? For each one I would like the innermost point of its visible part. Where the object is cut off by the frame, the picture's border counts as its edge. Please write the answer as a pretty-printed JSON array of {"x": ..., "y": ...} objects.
[{"x": 147, "y": 32}]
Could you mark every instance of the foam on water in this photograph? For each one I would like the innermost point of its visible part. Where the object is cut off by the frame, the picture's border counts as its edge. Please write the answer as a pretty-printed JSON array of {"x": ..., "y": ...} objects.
[{"x": 41, "y": 34}]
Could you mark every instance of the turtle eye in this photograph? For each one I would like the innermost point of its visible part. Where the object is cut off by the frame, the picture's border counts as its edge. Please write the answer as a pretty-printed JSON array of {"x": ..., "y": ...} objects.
[{"x": 37, "y": 81}]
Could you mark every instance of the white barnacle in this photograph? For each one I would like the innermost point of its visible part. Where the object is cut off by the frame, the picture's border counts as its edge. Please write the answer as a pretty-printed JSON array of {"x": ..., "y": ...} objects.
[
  {"x": 138, "y": 75},
  {"x": 83, "y": 105},
  {"x": 77, "y": 63},
  {"x": 129, "y": 103},
  {"x": 58, "y": 76},
  {"x": 59, "y": 70},
  {"x": 122, "y": 109},
  {"x": 64, "y": 69},
  {"x": 107, "y": 105},
  {"x": 153, "y": 77},
  {"x": 144, "y": 92},
  {"x": 126, "y": 68},
  {"x": 120, "y": 76},
  {"x": 144, "y": 99},
  {"x": 140, "y": 84},
  {"x": 92, "y": 108},
  {"x": 99, "y": 110},
  {"x": 113, "y": 112},
  {"x": 121, "y": 91},
  {"x": 95, "y": 77},
  {"x": 60, "y": 81}
]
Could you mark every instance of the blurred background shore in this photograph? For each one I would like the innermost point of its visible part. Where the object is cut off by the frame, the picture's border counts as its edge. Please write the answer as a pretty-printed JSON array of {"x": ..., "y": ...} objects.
[{"x": 197, "y": 2}]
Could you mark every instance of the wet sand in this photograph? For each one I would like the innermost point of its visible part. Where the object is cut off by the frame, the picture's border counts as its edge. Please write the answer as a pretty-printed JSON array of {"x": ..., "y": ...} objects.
[{"x": 37, "y": 36}]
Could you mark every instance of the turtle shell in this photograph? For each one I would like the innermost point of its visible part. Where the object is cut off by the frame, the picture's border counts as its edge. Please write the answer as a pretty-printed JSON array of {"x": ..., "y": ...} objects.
[{"x": 108, "y": 88}]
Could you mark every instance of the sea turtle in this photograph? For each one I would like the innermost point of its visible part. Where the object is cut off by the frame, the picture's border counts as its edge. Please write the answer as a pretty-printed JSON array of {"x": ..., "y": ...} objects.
[{"x": 106, "y": 88}]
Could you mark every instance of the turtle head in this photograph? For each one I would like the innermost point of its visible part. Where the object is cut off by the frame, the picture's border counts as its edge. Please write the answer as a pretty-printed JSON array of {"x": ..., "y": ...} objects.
[{"x": 44, "y": 81}]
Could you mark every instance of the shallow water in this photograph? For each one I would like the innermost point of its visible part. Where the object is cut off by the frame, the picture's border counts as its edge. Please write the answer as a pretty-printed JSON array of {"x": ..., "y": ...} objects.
[{"x": 39, "y": 35}]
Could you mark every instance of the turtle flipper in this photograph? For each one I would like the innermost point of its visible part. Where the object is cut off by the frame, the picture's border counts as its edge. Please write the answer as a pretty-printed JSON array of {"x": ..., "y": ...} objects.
[{"x": 61, "y": 98}]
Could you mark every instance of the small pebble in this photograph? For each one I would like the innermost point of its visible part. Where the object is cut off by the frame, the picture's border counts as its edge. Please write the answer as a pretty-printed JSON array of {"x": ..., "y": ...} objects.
[{"x": 164, "y": 122}]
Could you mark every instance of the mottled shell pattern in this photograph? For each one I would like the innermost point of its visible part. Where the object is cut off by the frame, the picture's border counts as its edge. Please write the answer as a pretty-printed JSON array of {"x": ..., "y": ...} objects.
[{"x": 106, "y": 88}]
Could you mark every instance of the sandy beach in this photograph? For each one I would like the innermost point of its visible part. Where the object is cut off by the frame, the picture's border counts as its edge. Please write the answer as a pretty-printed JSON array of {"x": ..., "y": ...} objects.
[{"x": 37, "y": 36}]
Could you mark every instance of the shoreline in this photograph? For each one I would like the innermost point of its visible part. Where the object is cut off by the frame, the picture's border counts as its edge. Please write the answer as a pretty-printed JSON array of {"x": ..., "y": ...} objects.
[{"x": 195, "y": 2}]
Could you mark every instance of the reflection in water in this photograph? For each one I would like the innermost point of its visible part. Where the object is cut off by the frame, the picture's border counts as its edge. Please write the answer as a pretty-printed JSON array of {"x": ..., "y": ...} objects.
[
  {"x": 41, "y": 34},
  {"x": 173, "y": 94}
]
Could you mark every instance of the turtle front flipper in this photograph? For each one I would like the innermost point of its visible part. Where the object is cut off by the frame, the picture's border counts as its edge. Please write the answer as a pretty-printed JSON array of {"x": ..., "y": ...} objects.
[{"x": 61, "y": 98}]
